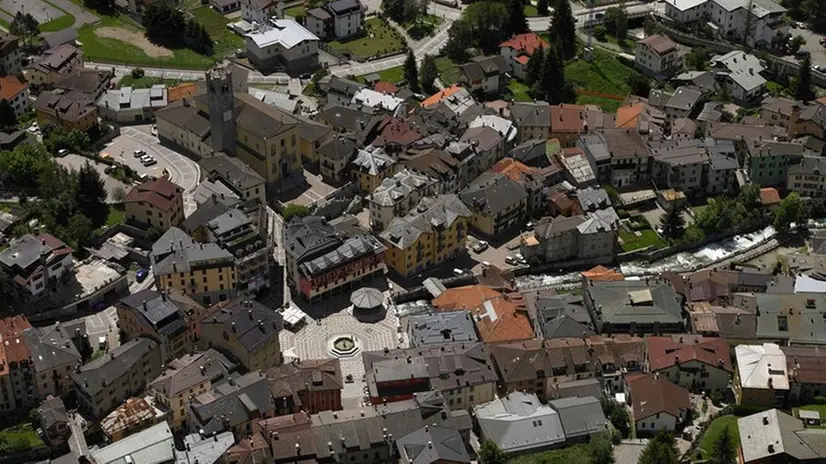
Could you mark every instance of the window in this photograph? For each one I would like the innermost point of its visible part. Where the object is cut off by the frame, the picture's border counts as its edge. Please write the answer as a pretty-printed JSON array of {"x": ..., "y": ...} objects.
[{"x": 226, "y": 336}]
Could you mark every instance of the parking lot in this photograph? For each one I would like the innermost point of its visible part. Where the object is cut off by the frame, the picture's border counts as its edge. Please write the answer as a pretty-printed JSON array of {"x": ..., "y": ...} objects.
[
  {"x": 812, "y": 44},
  {"x": 495, "y": 255},
  {"x": 307, "y": 193},
  {"x": 75, "y": 162},
  {"x": 182, "y": 170}
]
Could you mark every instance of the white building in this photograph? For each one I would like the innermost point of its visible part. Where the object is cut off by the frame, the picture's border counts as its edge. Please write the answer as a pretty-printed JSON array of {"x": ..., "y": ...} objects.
[
  {"x": 742, "y": 73},
  {"x": 336, "y": 20},
  {"x": 283, "y": 44},
  {"x": 373, "y": 99},
  {"x": 260, "y": 11},
  {"x": 16, "y": 93},
  {"x": 36, "y": 264},
  {"x": 396, "y": 196},
  {"x": 128, "y": 105},
  {"x": 759, "y": 27},
  {"x": 657, "y": 55},
  {"x": 658, "y": 404},
  {"x": 519, "y": 422}
]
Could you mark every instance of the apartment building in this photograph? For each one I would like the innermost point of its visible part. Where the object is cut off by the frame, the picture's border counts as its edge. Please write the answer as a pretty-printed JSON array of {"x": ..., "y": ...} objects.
[
  {"x": 608, "y": 358},
  {"x": 128, "y": 105},
  {"x": 496, "y": 203},
  {"x": 321, "y": 261},
  {"x": 235, "y": 232},
  {"x": 693, "y": 362},
  {"x": 761, "y": 377},
  {"x": 16, "y": 93},
  {"x": 396, "y": 196},
  {"x": 10, "y": 55},
  {"x": 235, "y": 405},
  {"x": 310, "y": 385},
  {"x": 768, "y": 163},
  {"x": 658, "y": 55},
  {"x": 533, "y": 120},
  {"x": 486, "y": 74},
  {"x": 188, "y": 375},
  {"x": 53, "y": 358},
  {"x": 53, "y": 65},
  {"x": 17, "y": 387},
  {"x": 518, "y": 51},
  {"x": 370, "y": 167},
  {"x": 520, "y": 423},
  {"x": 260, "y": 11},
  {"x": 757, "y": 23},
  {"x": 336, "y": 20},
  {"x": 248, "y": 331},
  {"x": 462, "y": 372},
  {"x": 204, "y": 272},
  {"x": 37, "y": 265},
  {"x": 237, "y": 175},
  {"x": 168, "y": 318},
  {"x": 742, "y": 73},
  {"x": 104, "y": 383},
  {"x": 284, "y": 44},
  {"x": 591, "y": 237},
  {"x": 808, "y": 178},
  {"x": 73, "y": 110},
  {"x": 434, "y": 232},
  {"x": 634, "y": 306},
  {"x": 156, "y": 203}
]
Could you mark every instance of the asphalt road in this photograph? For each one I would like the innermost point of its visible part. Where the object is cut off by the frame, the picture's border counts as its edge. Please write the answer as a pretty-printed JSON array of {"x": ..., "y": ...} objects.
[
  {"x": 182, "y": 170},
  {"x": 82, "y": 15},
  {"x": 812, "y": 44}
]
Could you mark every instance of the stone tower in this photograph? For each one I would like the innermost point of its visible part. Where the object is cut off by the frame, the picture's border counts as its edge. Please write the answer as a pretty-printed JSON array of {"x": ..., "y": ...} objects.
[{"x": 221, "y": 103}]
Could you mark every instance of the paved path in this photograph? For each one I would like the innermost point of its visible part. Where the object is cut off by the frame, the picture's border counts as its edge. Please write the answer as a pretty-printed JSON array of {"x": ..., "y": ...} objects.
[
  {"x": 255, "y": 77},
  {"x": 77, "y": 441},
  {"x": 82, "y": 15}
]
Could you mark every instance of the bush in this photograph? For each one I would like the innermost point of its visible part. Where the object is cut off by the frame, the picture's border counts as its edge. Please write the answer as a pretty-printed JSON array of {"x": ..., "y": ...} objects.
[
  {"x": 716, "y": 397},
  {"x": 137, "y": 73},
  {"x": 293, "y": 209},
  {"x": 623, "y": 214},
  {"x": 600, "y": 32}
]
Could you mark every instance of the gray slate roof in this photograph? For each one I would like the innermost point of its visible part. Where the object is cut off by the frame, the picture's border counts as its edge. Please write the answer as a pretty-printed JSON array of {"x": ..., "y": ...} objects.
[
  {"x": 192, "y": 257},
  {"x": 154, "y": 445},
  {"x": 432, "y": 213},
  {"x": 192, "y": 369},
  {"x": 232, "y": 403},
  {"x": 231, "y": 170},
  {"x": 491, "y": 193},
  {"x": 251, "y": 322},
  {"x": 652, "y": 303},
  {"x": 580, "y": 416},
  {"x": 438, "y": 328},
  {"x": 51, "y": 347},
  {"x": 537, "y": 114},
  {"x": 519, "y": 422},
  {"x": 433, "y": 444},
  {"x": 118, "y": 362}
]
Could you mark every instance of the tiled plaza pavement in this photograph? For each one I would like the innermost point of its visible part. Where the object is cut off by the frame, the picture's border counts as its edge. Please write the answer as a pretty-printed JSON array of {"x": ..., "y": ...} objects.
[{"x": 312, "y": 341}]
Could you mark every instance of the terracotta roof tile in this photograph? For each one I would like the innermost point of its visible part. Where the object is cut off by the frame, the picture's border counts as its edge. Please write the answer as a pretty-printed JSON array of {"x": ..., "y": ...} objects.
[
  {"x": 568, "y": 118},
  {"x": 602, "y": 273},
  {"x": 503, "y": 319},
  {"x": 11, "y": 329},
  {"x": 179, "y": 91},
  {"x": 628, "y": 115},
  {"x": 652, "y": 394},
  {"x": 439, "y": 96},
  {"x": 769, "y": 196},
  {"x": 10, "y": 86},
  {"x": 526, "y": 43},
  {"x": 467, "y": 297},
  {"x": 160, "y": 193},
  {"x": 386, "y": 87},
  {"x": 664, "y": 352}
]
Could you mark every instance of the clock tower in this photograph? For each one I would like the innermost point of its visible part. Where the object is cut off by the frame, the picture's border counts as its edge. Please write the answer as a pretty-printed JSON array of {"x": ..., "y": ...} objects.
[{"x": 221, "y": 103}]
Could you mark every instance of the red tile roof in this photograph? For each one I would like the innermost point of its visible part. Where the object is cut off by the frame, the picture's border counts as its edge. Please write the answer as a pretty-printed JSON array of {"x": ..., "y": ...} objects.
[
  {"x": 14, "y": 345},
  {"x": 439, "y": 96},
  {"x": 10, "y": 86},
  {"x": 386, "y": 87},
  {"x": 568, "y": 118},
  {"x": 161, "y": 193},
  {"x": 515, "y": 170},
  {"x": 602, "y": 273},
  {"x": 467, "y": 297},
  {"x": 665, "y": 352},
  {"x": 653, "y": 394},
  {"x": 769, "y": 196},
  {"x": 526, "y": 43},
  {"x": 503, "y": 319},
  {"x": 395, "y": 131}
]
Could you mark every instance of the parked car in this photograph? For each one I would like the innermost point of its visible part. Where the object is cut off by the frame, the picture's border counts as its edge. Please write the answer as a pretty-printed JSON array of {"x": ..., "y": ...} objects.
[
  {"x": 458, "y": 272},
  {"x": 141, "y": 275},
  {"x": 148, "y": 160},
  {"x": 139, "y": 153},
  {"x": 62, "y": 152},
  {"x": 154, "y": 130},
  {"x": 480, "y": 246},
  {"x": 511, "y": 260}
]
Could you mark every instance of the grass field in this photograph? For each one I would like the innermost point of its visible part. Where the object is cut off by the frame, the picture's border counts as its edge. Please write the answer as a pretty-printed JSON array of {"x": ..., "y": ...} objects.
[
  {"x": 579, "y": 454},
  {"x": 518, "y": 91},
  {"x": 116, "y": 216},
  {"x": 19, "y": 438},
  {"x": 647, "y": 237},
  {"x": 392, "y": 75},
  {"x": 145, "y": 82},
  {"x": 448, "y": 70},
  {"x": 296, "y": 11},
  {"x": 605, "y": 74},
  {"x": 380, "y": 39},
  {"x": 714, "y": 430},
  {"x": 58, "y": 24},
  {"x": 226, "y": 41}
]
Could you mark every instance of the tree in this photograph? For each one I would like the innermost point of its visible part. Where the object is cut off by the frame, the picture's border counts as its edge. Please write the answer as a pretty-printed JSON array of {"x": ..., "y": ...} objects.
[
  {"x": 7, "y": 116},
  {"x": 816, "y": 14},
  {"x": 488, "y": 21},
  {"x": 118, "y": 194},
  {"x": 542, "y": 7},
  {"x": 803, "y": 87},
  {"x": 650, "y": 26},
  {"x": 750, "y": 196},
  {"x": 429, "y": 73},
  {"x": 673, "y": 223},
  {"x": 788, "y": 212},
  {"x": 460, "y": 39},
  {"x": 617, "y": 414},
  {"x": 394, "y": 9},
  {"x": 697, "y": 59},
  {"x": 292, "y": 210},
  {"x": 797, "y": 42},
  {"x": 91, "y": 194},
  {"x": 601, "y": 450},
  {"x": 563, "y": 28},
  {"x": 662, "y": 449},
  {"x": 517, "y": 23},
  {"x": 411, "y": 71},
  {"x": 100, "y": 5},
  {"x": 640, "y": 85},
  {"x": 600, "y": 32},
  {"x": 723, "y": 449},
  {"x": 491, "y": 453},
  {"x": 616, "y": 21},
  {"x": 534, "y": 69},
  {"x": 552, "y": 85},
  {"x": 79, "y": 230},
  {"x": 24, "y": 26}
]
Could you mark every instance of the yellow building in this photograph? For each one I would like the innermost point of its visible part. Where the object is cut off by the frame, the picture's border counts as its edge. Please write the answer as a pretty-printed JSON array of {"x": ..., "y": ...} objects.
[
  {"x": 189, "y": 375},
  {"x": 73, "y": 110},
  {"x": 267, "y": 138},
  {"x": 203, "y": 271},
  {"x": 370, "y": 167},
  {"x": 54, "y": 65},
  {"x": 496, "y": 202},
  {"x": 434, "y": 232},
  {"x": 157, "y": 203},
  {"x": 313, "y": 135},
  {"x": 247, "y": 330}
]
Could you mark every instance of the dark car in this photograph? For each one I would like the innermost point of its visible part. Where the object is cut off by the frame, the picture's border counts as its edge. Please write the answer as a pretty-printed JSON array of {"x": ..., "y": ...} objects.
[{"x": 140, "y": 276}]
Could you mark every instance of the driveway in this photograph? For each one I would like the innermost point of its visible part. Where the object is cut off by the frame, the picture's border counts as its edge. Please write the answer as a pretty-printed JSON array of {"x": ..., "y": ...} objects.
[
  {"x": 182, "y": 170},
  {"x": 75, "y": 162}
]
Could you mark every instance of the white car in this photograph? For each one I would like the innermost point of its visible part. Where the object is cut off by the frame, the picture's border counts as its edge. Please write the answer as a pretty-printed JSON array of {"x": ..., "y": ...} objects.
[
  {"x": 511, "y": 260},
  {"x": 480, "y": 246},
  {"x": 62, "y": 152},
  {"x": 154, "y": 130},
  {"x": 139, "y": 153},
  {"x": 458, "y": 272}
]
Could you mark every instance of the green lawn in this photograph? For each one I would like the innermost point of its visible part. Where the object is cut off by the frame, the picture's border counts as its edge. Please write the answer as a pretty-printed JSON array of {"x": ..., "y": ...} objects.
[
  {"x": 714, "y": 430},
  {"x": 518, "y": 91},
  {"x": 631, "y": 241},
  {"x": 145, "y": 82},
  {"x": 226, "y": 42},
  {"x": 296, "y": 11},
  {"x": 448, "y": 70},
  {"x": 107, "y": 50},
  {"x": 605, "y": 74},
  {"x": 392, "y": 75},
  {"x": 19, "y": 438},
  {"x": 530, "y": 10},
  {"x": 116, "y": 216},
  {"x": 58, "y": 24},
  {"x": 579, "y": 454},
  {"x": 380, "y": 39}
]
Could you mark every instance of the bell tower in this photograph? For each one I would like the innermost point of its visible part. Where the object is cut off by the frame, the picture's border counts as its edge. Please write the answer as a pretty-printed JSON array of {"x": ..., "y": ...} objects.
[{"x": 221, "y": 103}]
